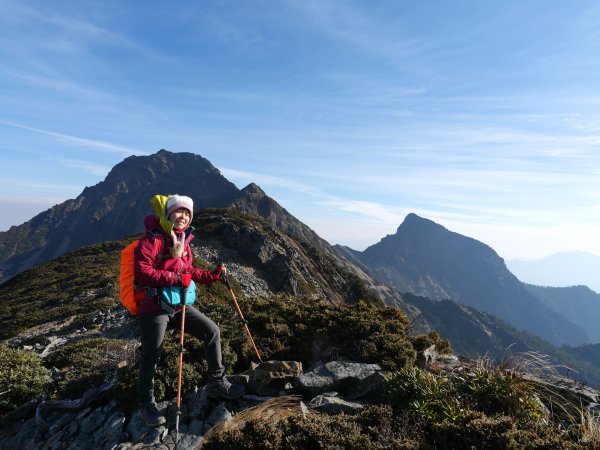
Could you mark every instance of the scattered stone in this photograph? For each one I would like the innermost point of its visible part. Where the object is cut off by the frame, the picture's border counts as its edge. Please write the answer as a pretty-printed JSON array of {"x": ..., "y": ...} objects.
[
  {"x": 304, "y": 409},
  {"x": 195, "y": 427},
  {"x": 111, "y": 434},
  {"x": 92, "y": 421},
  {"x": 198, "y": 404},
  {"x": 256, "y": 398},
  {"x": 426, "y": 357},
  {"x": 371, "y": 389},
  {"x": 217, "y": 415},
  {"x": 102, "y": 424},
  {"x": 330, "y": 403},
  {"x": 187, "y": 441},
  {"x": 239, "y": 379},
  {"x": 568, "y": 388}
]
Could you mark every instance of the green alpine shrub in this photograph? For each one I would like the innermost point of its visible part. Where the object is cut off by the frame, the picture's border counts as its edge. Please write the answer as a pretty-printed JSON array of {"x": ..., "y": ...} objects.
[
  {"x": 86, "y": 363},
  {"x": 22, "y": 377},
  {"x": 303, "y": 329},
  {"x": 494, "y": 392},
  {"x": 424, "y": 394}
]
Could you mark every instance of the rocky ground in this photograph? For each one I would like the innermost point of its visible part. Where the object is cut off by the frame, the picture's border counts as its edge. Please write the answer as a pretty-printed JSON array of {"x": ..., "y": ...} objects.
[
  {"x": 97, "y": 421},
  {"x": 328, "y": 387}
]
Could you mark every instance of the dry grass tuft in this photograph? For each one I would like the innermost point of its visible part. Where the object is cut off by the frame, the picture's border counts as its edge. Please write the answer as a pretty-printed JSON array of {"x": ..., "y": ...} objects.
[
  {"x": 272, "y": 411},
  {"x": 532, "y": 363},
  {"x": 589, "y": 426},
  {"x": 533, "y": 368}
]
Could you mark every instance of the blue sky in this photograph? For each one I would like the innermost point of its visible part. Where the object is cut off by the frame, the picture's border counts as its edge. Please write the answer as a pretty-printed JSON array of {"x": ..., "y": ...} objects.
[{"x": 482, "y": 116}]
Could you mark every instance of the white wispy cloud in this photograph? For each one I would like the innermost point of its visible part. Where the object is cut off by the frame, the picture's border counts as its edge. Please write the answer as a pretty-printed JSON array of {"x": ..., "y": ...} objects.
[
  {"x": 60, "y": 84},
  {"x": 370, "y": 209},
  {"x": 56, "y": 30},
  {"x": 343, "y": 21},
  {"x": 76, "y": 140}
]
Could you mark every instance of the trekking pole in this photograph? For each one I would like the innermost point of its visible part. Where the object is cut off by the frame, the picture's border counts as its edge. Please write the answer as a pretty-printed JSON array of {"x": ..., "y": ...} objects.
[
  {"x": 183, "y": 298},
  {"x": 239, "y": 311}
]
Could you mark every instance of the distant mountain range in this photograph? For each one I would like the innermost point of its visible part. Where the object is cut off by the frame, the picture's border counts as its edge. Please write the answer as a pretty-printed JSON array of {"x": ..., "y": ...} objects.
[
  {"x": 579, "y": 304},
  {"x": 426, "y": 259},
  {"x": 560, "y": 270}
]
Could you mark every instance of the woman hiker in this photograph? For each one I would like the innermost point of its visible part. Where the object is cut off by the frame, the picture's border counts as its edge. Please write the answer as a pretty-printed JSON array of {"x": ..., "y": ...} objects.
[{"x": 172, "y": 266}]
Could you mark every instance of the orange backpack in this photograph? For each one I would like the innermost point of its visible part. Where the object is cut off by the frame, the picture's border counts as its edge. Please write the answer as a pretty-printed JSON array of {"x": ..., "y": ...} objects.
[{"x": 129, "y": 296}]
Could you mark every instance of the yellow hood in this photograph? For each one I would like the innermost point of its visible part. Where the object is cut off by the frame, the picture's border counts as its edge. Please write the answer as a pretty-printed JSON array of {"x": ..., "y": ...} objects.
[{"x": 159, "y": 202}]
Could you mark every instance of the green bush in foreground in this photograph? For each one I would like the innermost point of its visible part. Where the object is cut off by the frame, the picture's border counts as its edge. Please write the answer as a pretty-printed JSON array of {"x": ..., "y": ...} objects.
[
  {"x": 302, "y": 329},
  {"x": 22, "y": 377},
  {"x": 425, "y": 394},
  {"x": 86, "y": 363}
]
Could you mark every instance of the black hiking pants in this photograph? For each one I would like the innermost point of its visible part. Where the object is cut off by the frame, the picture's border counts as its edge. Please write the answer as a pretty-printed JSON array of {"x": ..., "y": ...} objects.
[{"x": 152, "y": 329}]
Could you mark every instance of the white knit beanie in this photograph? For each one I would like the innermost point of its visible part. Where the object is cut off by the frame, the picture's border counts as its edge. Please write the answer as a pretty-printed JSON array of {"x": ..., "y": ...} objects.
[{"x": 180, "y": 201}]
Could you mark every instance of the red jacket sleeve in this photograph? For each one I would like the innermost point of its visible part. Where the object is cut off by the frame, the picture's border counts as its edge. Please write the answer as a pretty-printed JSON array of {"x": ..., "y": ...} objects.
[
  {"x": 204, "y": 276},
  {"x": 199, "y": 275},
  {"x": 146, "y": 259}
]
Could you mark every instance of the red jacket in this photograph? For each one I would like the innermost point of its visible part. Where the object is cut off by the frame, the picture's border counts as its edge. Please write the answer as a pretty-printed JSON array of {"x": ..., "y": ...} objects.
[{"x": 152, "y": 269}]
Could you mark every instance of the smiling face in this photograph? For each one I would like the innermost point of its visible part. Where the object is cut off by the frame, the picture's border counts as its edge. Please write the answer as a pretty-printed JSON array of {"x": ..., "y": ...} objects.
[{"x": 180, "y": 218}]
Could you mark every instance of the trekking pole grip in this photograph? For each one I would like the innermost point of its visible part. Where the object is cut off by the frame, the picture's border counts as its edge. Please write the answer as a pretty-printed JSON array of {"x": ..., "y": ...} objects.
[{"x": 223, "y": 276}]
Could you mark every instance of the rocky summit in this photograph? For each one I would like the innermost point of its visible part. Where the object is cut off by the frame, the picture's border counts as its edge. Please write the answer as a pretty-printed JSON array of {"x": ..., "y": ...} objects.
[
  {"x": 113, "y": 208},
  {"x": 275, "y": 391}
]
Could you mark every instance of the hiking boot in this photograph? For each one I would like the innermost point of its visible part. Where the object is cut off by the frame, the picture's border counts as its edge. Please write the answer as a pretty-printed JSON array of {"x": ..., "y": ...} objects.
[
  {"x": 224, "y": 389},
  {"x": 151, "y": 415}
]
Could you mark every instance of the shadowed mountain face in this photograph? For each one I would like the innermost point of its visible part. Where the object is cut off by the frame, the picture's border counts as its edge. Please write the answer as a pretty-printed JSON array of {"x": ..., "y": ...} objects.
[
  {"x": 426, "y": 259},
  {"x": 113, "y": 208}
]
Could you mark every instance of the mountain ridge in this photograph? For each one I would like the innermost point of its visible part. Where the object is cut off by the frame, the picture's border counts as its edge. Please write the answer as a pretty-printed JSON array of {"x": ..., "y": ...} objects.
[{"x": 426, "y": 259}]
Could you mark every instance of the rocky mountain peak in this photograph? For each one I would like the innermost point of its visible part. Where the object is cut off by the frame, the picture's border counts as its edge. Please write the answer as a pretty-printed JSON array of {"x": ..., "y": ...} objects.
[
  {"x": 253, "y": 190},
  {"x": 413, "y": 218},
  {"x": 113, "y": 208},
  {"x": 424, "y": 258}
]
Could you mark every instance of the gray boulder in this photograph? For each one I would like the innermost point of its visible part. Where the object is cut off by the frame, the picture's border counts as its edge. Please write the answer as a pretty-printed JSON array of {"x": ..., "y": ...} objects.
[{"x": 341, "y": 376}]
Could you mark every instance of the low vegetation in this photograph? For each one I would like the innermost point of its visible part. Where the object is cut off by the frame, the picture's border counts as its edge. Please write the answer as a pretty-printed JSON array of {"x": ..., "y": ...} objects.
[
  {"x": 488, "y": 408},
  {"x": 23, "y": 377}
]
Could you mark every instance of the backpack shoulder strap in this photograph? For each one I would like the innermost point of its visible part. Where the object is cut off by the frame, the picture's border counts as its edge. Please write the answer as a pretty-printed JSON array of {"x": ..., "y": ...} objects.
[{"x": 159, "y": 246}]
